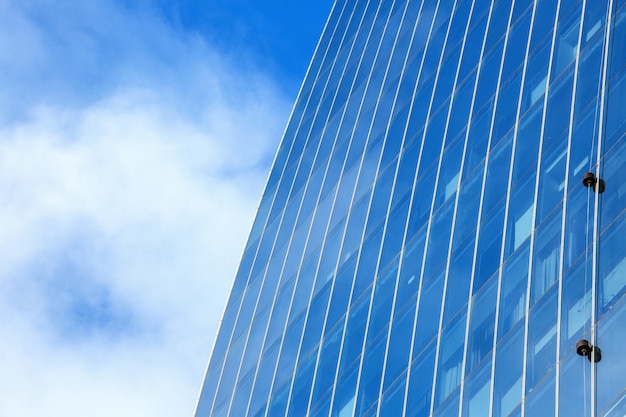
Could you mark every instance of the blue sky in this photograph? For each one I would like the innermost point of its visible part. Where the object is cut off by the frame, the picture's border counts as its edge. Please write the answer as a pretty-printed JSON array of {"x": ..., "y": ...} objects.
[{"x": 135, "y": 139}]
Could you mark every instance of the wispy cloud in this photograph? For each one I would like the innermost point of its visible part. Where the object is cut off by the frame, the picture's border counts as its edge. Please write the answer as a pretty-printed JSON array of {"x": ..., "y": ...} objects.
[{"x": 132, "y": 157}]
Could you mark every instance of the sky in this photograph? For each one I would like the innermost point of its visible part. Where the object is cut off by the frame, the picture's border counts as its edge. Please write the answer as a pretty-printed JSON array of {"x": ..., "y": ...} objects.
[{"x": 135, "y": 141}]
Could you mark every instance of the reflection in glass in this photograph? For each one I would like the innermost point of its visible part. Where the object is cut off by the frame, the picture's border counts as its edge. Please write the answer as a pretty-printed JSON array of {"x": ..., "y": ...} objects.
[
  {"x": 513, "y": 290},
  {"x": 450, "y": 359},
  {"x": 546, "y": 257},
  {"x": 541, "y": 401},
  {"x": 574, "y": 387},
  {"x": 508, "y": 377},
  {"x": 481, "y": 330},
  {"x": 612, "y": 268},
  {"x": 576, "y": 304},
  {"x": 542, "y": 329}
]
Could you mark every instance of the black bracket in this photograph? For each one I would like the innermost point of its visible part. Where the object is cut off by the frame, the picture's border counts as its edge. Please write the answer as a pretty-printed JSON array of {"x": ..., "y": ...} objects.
[
  {"x": 593, "y": 353},
  {"x": 591, "y": 181}
]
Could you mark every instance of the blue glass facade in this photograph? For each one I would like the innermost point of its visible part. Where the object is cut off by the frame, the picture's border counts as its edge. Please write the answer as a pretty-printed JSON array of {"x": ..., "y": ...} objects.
[{"x": 425, "y": 245}]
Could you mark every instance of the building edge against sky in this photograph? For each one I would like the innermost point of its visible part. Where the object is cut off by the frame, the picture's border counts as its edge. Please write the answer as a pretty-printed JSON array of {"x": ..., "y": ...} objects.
[{"x": 425, "y": 245}]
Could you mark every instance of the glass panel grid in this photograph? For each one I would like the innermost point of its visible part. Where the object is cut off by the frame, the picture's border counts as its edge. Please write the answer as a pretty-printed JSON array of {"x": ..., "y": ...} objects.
[{"x": 425, "y": 245}]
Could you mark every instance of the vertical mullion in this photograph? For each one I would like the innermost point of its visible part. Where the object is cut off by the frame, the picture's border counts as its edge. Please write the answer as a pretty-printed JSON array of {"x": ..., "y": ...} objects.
[
  {"x": 469, "y": 305},
  {"x": 345, "y": 64},
  {"x": 483, "y": 187},
  {"x": 341, "y": 344},
  {"x": 534, "y": 212},
  {"x": 318, "y": 356},
  {"x": 596, "y": 211},
  {"x": 316, "y": 80},
  {"x": 455, "y": 210},
  {"x": 213, "y": 404},
  {"x": 413, "y": 189},
  {"x": 382, "y": 380},
  {"x": 372, "y": 193},
  {"x": 564, "y": 213},
  {"x": 423, "y": 136},
  {"x": 314, "y": 211}
]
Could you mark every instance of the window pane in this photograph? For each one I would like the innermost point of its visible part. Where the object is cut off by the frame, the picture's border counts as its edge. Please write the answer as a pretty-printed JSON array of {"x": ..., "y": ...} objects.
[
  {"x": 508, "y": 376},
  {"x": 450, "y": 358},
  {"x": 481, "y": 329},
  {"x": 576, "y": 304},
  {"x": 420, "y": 386},
  {"x": 541, "y": 339},
  {"x": 612, "y": 268},
  {"x": 614, "y": 175},
  {"x": 546, "y": 256},
  {"x": 513, "y": 291},
  {"x": 476, "y": 394},
  {"x": 540, "y": 402},
  {"x": 574, "y": 398},
  {"x": 611, "y": 339}
]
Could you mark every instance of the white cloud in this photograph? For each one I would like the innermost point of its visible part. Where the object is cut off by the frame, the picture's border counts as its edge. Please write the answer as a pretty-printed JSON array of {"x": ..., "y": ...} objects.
[{"x": 126, "y": 195}]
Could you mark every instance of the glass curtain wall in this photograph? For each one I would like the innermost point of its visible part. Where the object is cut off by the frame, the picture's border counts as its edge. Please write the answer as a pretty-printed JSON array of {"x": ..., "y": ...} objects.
[{"x": 425, "y": 245}]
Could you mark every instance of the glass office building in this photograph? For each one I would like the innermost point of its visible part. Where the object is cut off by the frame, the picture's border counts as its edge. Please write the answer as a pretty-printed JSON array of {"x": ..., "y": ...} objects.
[{"x": 425, "y": 245}]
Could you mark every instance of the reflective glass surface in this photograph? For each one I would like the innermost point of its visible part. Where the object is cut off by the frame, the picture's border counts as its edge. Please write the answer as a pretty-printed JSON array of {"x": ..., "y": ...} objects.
[{"x": 426, "y": 245}]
